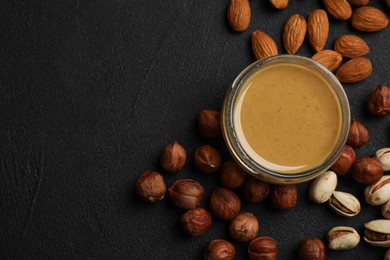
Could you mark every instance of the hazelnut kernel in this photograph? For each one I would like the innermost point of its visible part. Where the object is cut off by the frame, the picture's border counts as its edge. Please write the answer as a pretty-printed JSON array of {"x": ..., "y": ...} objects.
[
  {"x": 345, "y": 161},
  {"x": 173, "y": 157},
  {"x": 224, "y": 203},
  {"x": 219, "y": 249},
  {"x": 358, "y": 134},
  {"x": 312, "y": 249},
  {"x": 379, "y": 101},
  {"x": 209, "y": 122},
  {"x": 262, "y": 248},
  {"x": 231, "y": 175},
  {"x": 284, "y": 196},
  {"x": 207, "y": 159},
  {"x": 244, "y": 227},
  {"x": 186, "y": 193},
  {"x": 151, "y": 186},
  {"x": 196, "y": 221},
  {"x": 367, "y": 170},
  {"x": 255, "y": 190}
]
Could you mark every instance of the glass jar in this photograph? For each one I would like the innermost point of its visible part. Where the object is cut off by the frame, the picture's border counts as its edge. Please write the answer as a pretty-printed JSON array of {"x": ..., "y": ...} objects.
[{"x": 231, "y": 125}]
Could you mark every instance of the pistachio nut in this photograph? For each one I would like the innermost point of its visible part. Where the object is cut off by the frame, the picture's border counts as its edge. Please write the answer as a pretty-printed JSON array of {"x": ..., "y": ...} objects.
[
  {"x": 387, "y": 255},
  {"x": 379, "y": 192},
  {"x": 377, "y": 232},
  {"x": 386, "y": 210},
  {"x": 383, "y": 156},
  {"x": 344, "y": 204},
  {"x": 322, "y": 188},
  {"x": 342, "y": 238}
]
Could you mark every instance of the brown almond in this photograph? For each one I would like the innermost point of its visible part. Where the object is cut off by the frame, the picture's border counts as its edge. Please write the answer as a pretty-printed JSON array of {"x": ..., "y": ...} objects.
[
  {"x": 330, "y": 59},
  {"x": 359, "y": 2},
  {"x": 263, "y": 46},
  {"x": 354, "y": 70},
  {"x": 239, "y": 15},
  {"x": 339, "y": 9},
  {"x": 294, "y": 33},
  {"x": 279, "y": 4},
  {"x": 318, "y": 29},
  {"x": 369, "y": 19},
  {"x": 351, "y": 46}
]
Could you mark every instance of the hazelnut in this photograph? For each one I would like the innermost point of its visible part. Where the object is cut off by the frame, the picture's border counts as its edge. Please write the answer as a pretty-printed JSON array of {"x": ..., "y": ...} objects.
[
  {"x": 151, "y": 186},
  {"x": 231, "y": 175},
  {"x": 209, "y": 122},
  {"x": 367, "y": 170},
  {"x": 207, "y": 159},
  {"x": 244, "y": 227},
  {"x": 284, "y": 196},
  {"x": 262, "y": 248},
  {"x": 219, "y": 249},
  {"x": 255, "y": 190},
  {"x": 224, "y": 203},
  {"x": 173, "y": 157},
  {"x": 186, "y": 193},
  {"x": 196, "y": 221},
  {"x": 358, "y": 134},
  {"x": 379, "y": 101},
  {"x": 312, "y": 249},
  {"x": 345, "y": 161}
]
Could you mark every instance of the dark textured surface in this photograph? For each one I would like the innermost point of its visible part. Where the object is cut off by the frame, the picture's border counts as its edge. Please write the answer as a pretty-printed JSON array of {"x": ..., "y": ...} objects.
[{"x": 91, "y": 91}]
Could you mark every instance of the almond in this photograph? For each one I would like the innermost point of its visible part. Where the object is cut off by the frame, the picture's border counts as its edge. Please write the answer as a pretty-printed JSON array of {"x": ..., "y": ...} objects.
[
  {"x": 279, "y": 4},
  {"x": 339, "y": 9},
  {"x": 354, "y": 70},
  {"x": 330, "y": 59},
  {"x": 359, "y": 2},
  {"x": 239, "y": 15},
  {"x": 351, "y": 46},
  {"x": 294, "y": 33},
  {"x": 369, "y": 19},
  {"x": 318, "y": 29},
  {"x": 263, "y": 46}
]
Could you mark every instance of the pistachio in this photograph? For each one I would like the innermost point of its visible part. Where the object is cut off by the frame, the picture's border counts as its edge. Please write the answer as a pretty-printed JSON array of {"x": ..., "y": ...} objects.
[
  {"x": 322, "y": 188},
  {"x": 379, "y": 192},
  {"x": 386, "y": 210},
  {"x": 344, "y": 204},
  {"x": 342, "y": 238},
  {"x": 383, "y": 156},
  {"x": 377, "y": 232}
]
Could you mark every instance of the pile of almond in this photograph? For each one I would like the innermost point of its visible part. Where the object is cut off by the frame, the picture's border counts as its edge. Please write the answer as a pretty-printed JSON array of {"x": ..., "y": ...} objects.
[{"x": 316, "y": 29}]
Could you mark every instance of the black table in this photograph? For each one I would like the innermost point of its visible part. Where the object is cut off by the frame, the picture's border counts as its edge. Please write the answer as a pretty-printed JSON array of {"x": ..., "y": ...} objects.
[{"x": 91, "y": 91}]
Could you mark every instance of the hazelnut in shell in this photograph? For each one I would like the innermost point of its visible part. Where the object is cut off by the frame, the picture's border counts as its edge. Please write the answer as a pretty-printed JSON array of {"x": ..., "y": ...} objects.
[
  {"x": 358, "y": 134},
  {"x": 209, "y": 122},
  {"x": 224, "y": 203},
  {"x": 312, "y": 249},
  {"x": 255, "y": 190},
  {"x": 196, "y": 221},
  {"x": 186, "y": 193},
  {"x": 219, "y": 249},
  {"x": 151, "y": 186},
  {"x": 231, "y": 175},
  {"x": 173, "y": 157},
  {"x": 345, "y": 161},
  {"x": 284, "y": 196},
  {"x": 244, "y": 227},
  {"x": 262, "y": 248},
  {"x": 367, "y": 170},
  {"x": 207, "y": 159}
]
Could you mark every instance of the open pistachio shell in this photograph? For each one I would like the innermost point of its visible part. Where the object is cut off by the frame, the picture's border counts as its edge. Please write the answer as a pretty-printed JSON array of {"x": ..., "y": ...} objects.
[
  {"x": 322, "y": 188},
  {"x": 342, "y": 238},
  {"x": 377, "y": 233},
  {"x": 379, "y": 192},
  {"x": 344, "y": 204},
  {"x": 383, "y": 156}
]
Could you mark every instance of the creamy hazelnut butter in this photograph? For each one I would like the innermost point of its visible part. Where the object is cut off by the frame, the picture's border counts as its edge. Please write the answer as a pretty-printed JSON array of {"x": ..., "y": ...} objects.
[{"x": 285, "y": 119}]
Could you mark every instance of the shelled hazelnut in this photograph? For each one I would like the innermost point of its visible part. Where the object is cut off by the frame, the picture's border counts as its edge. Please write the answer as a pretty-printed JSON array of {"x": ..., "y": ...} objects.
[
  {"x": 173, "y": 157},
  {"x": 219, "y": 249},
  {"x": 244, "y": 227},
  {"x": 284, "y": 196},
  {"x": 231, "y": 175},
  {"x": 262, "y": 248},
  {"x": 209, "y": 123},
  {"x": 186, "y": 193},
  {"x": 367, "y": 170},
  {"x": 196, "y": 221},
  {"x": 312, "y": 249},
  {"x": 151, "y": 186},
  {"x": 207, "y": 159},
  {"x": 379, "y": 101},
  {"x": 358, "y": 134},
  {"x": 345, "y": 161},
  {"x": 255, "y": 190},
  {"x": 224, "y": 203}
]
